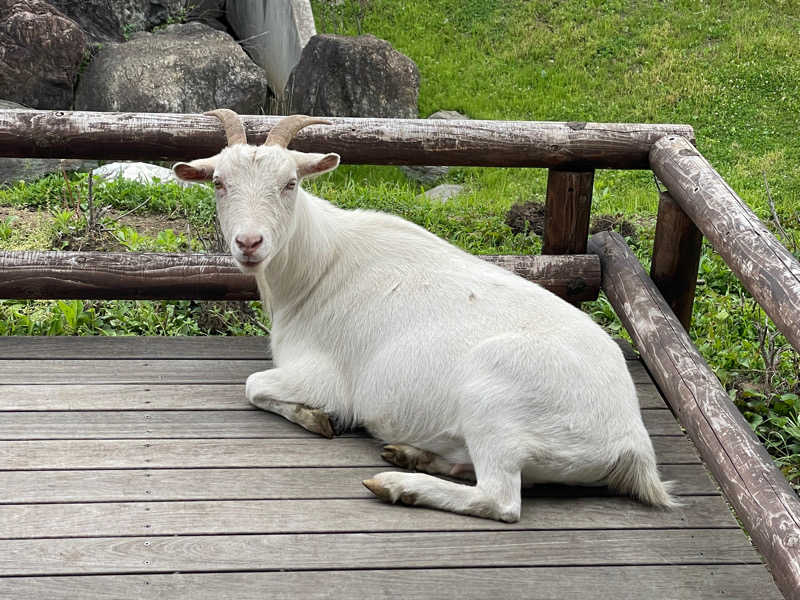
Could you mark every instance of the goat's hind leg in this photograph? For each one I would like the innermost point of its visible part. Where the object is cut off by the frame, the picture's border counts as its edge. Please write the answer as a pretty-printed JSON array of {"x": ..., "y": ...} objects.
[
  {"x": 497, "y": 494},
  {"x": 269, "y": 390},
  {"x": 414, "y": 459}
]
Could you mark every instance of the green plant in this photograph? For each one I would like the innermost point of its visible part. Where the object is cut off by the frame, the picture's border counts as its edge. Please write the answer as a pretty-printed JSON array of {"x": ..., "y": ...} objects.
[
  {"x": 132, "y": 240},
  {"x": 6, "y": 228}
]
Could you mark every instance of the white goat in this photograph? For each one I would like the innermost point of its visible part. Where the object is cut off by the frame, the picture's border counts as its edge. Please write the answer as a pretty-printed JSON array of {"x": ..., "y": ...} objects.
[{"x": 466, "y": 368}]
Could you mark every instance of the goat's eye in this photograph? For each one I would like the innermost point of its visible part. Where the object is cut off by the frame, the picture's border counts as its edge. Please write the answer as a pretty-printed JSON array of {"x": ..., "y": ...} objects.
[
  {"x": 290, "y": 186},
  {"x": 218, "y": 183}
]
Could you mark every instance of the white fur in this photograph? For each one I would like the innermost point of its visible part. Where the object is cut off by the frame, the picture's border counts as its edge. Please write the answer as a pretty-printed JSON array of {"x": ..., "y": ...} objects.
[{"x": 379, "y": 323}]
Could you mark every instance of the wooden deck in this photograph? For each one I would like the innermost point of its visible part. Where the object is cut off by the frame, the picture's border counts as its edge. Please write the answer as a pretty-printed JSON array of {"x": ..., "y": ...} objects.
[{"x": 134, "y": 468}]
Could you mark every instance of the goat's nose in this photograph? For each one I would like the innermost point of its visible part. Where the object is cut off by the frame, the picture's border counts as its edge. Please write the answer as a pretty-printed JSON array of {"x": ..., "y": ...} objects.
[{"x": 249, "y": 242}]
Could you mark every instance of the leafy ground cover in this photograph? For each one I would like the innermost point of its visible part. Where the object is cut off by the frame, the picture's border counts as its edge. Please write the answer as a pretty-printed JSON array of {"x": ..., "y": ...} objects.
[{"x": 730, "y": 69}]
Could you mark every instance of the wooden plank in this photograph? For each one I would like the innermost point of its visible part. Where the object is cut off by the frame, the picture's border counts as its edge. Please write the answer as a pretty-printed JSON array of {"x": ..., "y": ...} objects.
[
  {"x": 143, "y": 136},
  {"x": 567, "y": 208},
  {"x": 676, "y": 258},
  {"x": 93, "y": 371},
  {"x": 136, "y": 396},
  {"x": 124, "y": 347},
  {"x": 765, "y": 267},
  {"x": 373, "y": 551},
  {"x": 254, "y": 483},
  {"x": 345, "y": 516},
  {"x": 761, "y": 496},
  {"x": 154, "y": 276},
  {"x": 197, "y": 396},
  {"x": 229, "y": 424},
  {"x": 137, "y": 371},
  {"x": 156, "y": 347},
  {"x": 534, "y": 583},
  {"x": 150, "y": 454}
]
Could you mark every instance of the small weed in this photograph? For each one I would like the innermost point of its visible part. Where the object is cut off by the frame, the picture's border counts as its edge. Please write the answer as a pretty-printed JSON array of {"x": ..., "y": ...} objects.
[{"x": 6, "y": 228}]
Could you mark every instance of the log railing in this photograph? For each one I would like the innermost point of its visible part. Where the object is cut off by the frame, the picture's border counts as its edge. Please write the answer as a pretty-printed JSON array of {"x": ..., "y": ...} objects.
[
  {"x": 764, "y": 266},
  {"x": 758, "y": 491},
  {"x": 157, "y": 136},
  {"x": 698, "y": 202},
  {"x": 155, "y": 276}
]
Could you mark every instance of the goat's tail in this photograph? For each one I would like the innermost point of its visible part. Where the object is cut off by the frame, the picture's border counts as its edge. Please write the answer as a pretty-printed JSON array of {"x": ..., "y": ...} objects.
[{"x": 635, "y": 474}]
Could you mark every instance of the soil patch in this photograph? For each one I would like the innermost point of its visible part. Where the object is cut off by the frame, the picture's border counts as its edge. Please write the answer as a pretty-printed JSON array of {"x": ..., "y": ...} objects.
[{"x": 528, "y": 218}]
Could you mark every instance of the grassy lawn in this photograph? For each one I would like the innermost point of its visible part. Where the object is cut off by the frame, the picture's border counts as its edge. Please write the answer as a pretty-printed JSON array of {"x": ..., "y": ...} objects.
[{"x": 731, "y": 70}]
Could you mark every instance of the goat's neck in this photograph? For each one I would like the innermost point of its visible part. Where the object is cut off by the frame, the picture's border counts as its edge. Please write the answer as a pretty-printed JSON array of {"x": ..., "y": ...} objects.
[{"x": 305, "y": 257}]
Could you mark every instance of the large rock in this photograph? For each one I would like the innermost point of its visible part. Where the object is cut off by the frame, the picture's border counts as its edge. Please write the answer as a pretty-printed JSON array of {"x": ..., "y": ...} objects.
[
  {"x": 40, "y": 52},
  {"x": 114, "y": 20},
  {"x": 273, "y": 33},
  {"x": 13, "y": 170},
  {"x": 353, "y": 77},
  {"x": 183, "y": 68}
]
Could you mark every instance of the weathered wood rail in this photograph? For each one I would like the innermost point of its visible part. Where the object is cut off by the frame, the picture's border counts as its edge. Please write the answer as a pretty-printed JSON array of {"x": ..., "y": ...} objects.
[
  {"x": 160, "y": 276},
  {"x": 765, "y": 267},
  {"x": 758, "y": 491},
  {"x": 150, "y": 136}
]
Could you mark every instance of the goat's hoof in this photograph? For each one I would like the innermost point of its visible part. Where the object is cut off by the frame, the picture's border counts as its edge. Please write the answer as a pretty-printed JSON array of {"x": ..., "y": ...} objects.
[
  {"x": 407, "y": 457},
  {"x": 314, "y": 420},
  {"x": 375, "y": 486}
]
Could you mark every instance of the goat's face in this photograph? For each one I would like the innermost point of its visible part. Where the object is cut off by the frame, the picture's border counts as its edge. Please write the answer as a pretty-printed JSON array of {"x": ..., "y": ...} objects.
[{"x": 256, "y": 189}]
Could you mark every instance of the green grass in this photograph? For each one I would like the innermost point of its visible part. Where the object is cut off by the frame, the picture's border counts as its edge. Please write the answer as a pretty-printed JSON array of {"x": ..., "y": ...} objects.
[{"x": 730, "y": 69}]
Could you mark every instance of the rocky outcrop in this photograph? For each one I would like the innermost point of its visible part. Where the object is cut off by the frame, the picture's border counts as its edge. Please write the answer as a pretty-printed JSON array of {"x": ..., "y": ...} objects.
[
  {"x": 113, "y": 20},
  {"x": 183, "y": 68},
  {"x": 353, "y": 77},
  {"x": 273, "y": 33},
  {"x": 40, "y": 52}
]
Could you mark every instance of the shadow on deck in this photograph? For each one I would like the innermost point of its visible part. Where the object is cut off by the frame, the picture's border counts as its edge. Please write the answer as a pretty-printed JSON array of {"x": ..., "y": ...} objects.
[{"x": 133, "y": 467}]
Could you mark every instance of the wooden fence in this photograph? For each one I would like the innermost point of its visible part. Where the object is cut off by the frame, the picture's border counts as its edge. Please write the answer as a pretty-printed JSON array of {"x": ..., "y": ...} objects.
[{"x": 656, "y": 310}]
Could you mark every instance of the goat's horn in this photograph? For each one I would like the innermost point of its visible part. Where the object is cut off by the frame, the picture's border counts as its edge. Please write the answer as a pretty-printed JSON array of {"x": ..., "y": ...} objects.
[
  {"x": 283, "y": 132},
  {"x": 234, "y": 130}
]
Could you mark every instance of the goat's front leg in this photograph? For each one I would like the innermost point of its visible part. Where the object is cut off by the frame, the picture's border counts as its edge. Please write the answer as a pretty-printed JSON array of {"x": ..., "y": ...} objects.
[{"x": 274, "y": 391}]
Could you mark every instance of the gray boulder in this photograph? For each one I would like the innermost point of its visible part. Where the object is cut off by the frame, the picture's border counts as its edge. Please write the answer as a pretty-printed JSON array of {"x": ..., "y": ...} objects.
[
  {"x": 428, "y": 175},
  {"x": 13, "y": 170},
  {"x": 113, "y": 20},
  {"x": 183, "y": 68},
  {"x": 353, "y": 77},
  {"x": 40, "y": 52}
]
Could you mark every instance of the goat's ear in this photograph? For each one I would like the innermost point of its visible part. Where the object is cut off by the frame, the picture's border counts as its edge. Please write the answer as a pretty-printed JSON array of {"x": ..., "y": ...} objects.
[
  {"x": 201, "y": 169},
  {"x": 311, "y": 165}
]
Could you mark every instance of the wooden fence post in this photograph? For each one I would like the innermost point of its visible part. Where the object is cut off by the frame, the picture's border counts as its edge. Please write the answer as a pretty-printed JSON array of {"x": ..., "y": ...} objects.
[
  {"x": 676, "y": 258},
  {"x": 569, "y": 202}
]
